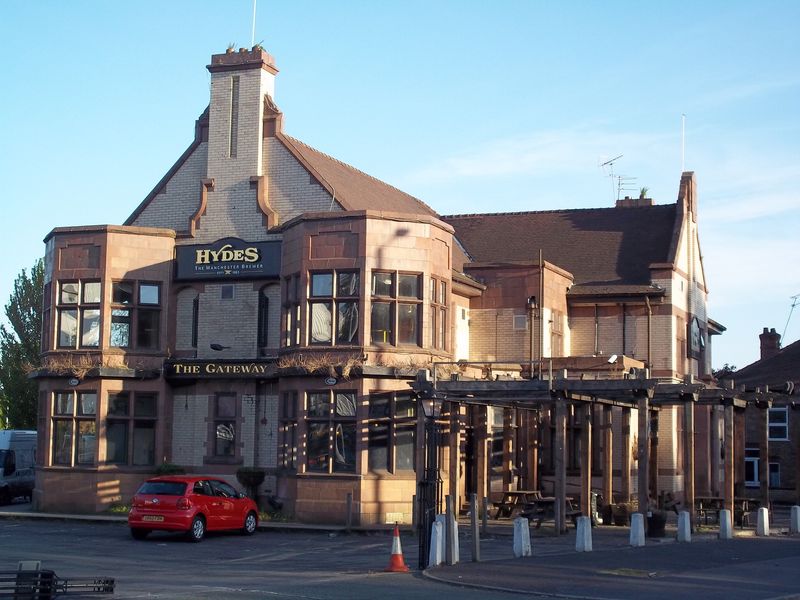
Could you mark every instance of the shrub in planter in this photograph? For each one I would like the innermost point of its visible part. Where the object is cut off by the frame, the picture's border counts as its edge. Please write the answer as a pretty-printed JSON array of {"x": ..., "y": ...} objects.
[
  {"x": 251, "y": 478},
  {"x": 166, "y": 468}
]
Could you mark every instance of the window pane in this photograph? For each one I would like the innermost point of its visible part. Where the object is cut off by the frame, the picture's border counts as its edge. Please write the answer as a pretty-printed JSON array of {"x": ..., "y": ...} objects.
[
  {"x": 432, "y": 291},
  {"x": 317, "y": 447},
  {"x": 443, "y": 292},
  {"x": 87, "y": 403},
  {"x": 144, "y": 443},
  {"x": 69, "y": 293},
  {"x": 117, "y": 442},
  {"x": 377, "y": 446},
  {"x": 344, "y": 446},
  {"x": 404, "y": 447},
  {"x": 347, "y": 284},
  {"x": 778, "y": 416},
  {"x": 226, "y": 292},
  {"x": 443, "y": 330},
  {"x": 382, "y": 284},
  {"x": 226, "y": 406},
  {"x": 319, "y": 405},
  {"x": 90, "y": 328},
  {"x": 62, "y": 442},
  {"x": 381, "y": 326},
  {"x": 118, "y": 404},
  {"x": 347, "y": 323},
  {"x": 321, "y": 323},
  {"x": 378, "y": 407},
  {"x": 91, "y": 292},
  {"x": 147, "y": 326},
  {"x": 120, "y": 327},
  {"x": 68, "y": 327},
  {"x": 63, "y": 403},
  {"x": 322, "y": 284},
  {"x": 225, "y": 439},
  {"x": 345, "y": 405},
  {"x": 774, "y": 475},
  {"x": 87, "y": 442},
  {"x": 263, "y": 318},
  {"x": 405, "y": 406},
  {"x": 149, "y": 293},
  {"x": 408, "y": 286},
  {"x": 407, "y": 323},
  {"x": 145, "y": 405},
  {"x": 122, "y": 292}
]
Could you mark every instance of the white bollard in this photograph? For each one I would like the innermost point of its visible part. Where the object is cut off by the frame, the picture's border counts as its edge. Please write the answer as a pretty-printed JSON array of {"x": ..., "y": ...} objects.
[
  {"x": 763, "y": 522},
  {"x": 794, "y": 520},
  {"x": 522, "y": 537},
  {"x": 725, "y": 525},
  {"x": 637, "y": 530},
  {"x": 684, "y": 527},
  {"x": 583, "y": 538},
  {"x": 436, "y": 553}
]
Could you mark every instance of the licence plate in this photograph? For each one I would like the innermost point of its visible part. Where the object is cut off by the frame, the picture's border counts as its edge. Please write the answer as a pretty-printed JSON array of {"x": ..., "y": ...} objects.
[{"x": 158, "y": 518}]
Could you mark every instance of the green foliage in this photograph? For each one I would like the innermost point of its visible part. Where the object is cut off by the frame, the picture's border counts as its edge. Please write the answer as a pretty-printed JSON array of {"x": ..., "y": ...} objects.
[
  {"x": 725, "y": 372},
  {"x": 19, "y": 350}
]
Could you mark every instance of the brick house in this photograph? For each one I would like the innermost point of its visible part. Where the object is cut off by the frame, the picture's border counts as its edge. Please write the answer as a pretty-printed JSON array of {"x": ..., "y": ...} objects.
[
  {"x": 267, "y": 305},
  {"x": 778, "y": 369}
]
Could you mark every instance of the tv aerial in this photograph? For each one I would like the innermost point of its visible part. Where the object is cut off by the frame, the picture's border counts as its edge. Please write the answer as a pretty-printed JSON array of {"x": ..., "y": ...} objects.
[
  {"x": 795, "y": 301},
  {"x": 610, "y": 164}
]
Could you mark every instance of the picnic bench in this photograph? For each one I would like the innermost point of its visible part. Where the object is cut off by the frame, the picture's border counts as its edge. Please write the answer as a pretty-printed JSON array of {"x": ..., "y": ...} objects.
[
  {"x": 544, "y": 508},
  {"x": 515, "y": 501},
  {"x": 709, "y": 506}
]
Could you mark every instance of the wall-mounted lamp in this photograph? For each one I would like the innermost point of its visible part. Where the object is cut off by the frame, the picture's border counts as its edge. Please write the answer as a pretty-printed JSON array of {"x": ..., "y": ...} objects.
[
  {"x": 532, "y": 304},
  {"x": 219, "y": 347}
]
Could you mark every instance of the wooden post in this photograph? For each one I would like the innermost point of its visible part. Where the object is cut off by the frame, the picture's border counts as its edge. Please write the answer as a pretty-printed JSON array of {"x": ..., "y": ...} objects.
[
  {"x": 688, "y": 455},
  {"x": 643, "y": 455},
  {"x": 625, "y": 462},
  {"x": 508, "y": 449},
  {"x": 473, "y": 523},
  {"x": 454, "y": 451},
  {"x": 716, "y": 451},
  {"x": 608, "y": 455},
  {"x": 738, "y": 452},
  {"x": 730, "y": 466},
  {"x": 349, "y": 518},
  {"x": 561, "y": 464},
  {"x": 449, "y": 552},
  {"x": 652, "y": 467},
  {"x": 763, "y": 458},
  {"x": 481, "y": 452},
  {"x": 586, "y": 460},
  {"x": 485, "y": 516}
]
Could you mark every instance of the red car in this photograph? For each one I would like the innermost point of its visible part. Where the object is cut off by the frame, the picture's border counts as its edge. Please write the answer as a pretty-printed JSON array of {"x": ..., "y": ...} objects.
[{"x": 192, "y": 504}]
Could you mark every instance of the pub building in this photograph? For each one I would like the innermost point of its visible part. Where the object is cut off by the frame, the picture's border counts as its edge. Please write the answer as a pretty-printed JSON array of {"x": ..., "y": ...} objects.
[{"x": 268, "y": 306}]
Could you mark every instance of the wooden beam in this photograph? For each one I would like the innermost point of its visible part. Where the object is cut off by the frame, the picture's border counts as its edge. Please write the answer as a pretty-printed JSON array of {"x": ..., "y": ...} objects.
[
  {"x": 481, "y": 452},
  {"x": 730, "y": 465},
  {"x": 625, "y": 462},
  {"x": 688, "y": 456},
  {"x": 608, "y": 455},
  {"x": 644, "y": 456},
  {"x": 763, "y": 457},
  {"x": 560, "y": 464},
  {"x": 454, "y": 450},
  {"x": 586, "y": 459},
  {"x": 508, "y": 449},
  {"x": 716, "y": 450}
]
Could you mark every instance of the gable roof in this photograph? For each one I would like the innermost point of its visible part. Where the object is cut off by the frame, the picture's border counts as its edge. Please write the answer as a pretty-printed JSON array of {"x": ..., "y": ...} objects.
[
  {"x": 599, "y": 246},
  {"x": 774, "y": 371},
  {"x": 354, "y": 189}
]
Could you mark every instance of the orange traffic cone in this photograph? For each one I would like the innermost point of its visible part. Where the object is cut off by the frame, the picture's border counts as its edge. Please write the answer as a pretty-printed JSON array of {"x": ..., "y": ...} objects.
[{"x": 396, "y": 562}]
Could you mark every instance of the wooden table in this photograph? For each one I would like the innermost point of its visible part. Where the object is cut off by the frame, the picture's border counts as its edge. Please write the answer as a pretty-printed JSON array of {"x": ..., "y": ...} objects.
[
  {"x": 515, "y": 500},
  {"x": 544, "y": 508},
  {"x": 706, "y": 506}
]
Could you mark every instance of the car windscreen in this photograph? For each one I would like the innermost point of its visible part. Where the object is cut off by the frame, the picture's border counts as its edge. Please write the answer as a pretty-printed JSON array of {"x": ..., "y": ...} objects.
[{"x": 163, "y": 488}]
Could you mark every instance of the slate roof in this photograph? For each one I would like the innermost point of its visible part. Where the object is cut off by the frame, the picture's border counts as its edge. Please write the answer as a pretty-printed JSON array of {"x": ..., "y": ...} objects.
[
  {"x": 774, "y": 371},
  {"x": 599, "y": 246},
  {"x": 354, "y": 189}
]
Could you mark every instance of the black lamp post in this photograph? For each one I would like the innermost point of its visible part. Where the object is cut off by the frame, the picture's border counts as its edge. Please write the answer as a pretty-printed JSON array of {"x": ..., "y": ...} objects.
[{"x": 429, "y": 490}]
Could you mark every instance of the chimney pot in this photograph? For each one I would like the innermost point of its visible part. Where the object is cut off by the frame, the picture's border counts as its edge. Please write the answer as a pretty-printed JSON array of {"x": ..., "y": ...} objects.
[{"x": 770, "y": 343}]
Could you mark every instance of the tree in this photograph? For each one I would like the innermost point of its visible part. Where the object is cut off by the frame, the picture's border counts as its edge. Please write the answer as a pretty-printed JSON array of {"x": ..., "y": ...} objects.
[
  {"x": 725, "y": 372},
  {"x": 19, "y": 350}
]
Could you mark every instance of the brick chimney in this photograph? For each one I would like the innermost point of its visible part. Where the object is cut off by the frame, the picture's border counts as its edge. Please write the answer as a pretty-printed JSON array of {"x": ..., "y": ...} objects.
[
  {"x": 770, "y": 343},
  {"x": 628, "y": 202}
]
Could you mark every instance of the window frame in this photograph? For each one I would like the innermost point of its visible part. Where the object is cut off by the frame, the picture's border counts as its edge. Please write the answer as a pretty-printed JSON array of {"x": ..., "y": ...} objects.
[
  {"x": 784, "y": 424},
  {"x": 334, "y": 299},
  {"x": 390, "y": 296},
  {"x": 135, "y": 321},
  {"x": 439, "y": 314},
  {"x": 332, "y": 422},
  {"x": 79, "y": 307},
  {"x": 390, "y": 422},
  {"x": 132, "y": 421},
  {"x": 74, "y": 418}
]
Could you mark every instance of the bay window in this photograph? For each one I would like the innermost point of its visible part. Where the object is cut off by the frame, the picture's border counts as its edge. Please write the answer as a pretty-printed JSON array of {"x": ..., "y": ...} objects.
[
  {"x": 331, "y": 432},
  {"x": 78, "y": 309}
]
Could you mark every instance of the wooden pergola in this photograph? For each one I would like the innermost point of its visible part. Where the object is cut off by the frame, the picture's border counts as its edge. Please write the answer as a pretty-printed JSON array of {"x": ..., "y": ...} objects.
[{"x": 640, "y": 392}]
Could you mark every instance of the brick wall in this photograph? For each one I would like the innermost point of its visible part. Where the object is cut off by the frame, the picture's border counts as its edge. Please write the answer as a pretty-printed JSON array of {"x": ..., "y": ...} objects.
[{"x": 189, "y": 429}]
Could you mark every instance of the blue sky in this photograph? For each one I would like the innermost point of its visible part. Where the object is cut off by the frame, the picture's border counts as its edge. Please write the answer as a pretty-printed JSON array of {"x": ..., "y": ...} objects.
[{"x": 470, "y": 106}]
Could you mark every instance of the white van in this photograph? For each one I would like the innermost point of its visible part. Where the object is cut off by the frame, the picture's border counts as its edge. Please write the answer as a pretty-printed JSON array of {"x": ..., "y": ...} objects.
[{"x": 17, "y": 461}]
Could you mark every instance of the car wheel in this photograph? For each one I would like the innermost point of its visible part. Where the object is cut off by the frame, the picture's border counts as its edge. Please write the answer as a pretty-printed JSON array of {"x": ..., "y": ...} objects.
[
  {"x": 5, "y": 496},
  {"x": 250, "y": 523},
  {"x": 139, "y": 534},
  {"x": 198, "y": 529}
]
